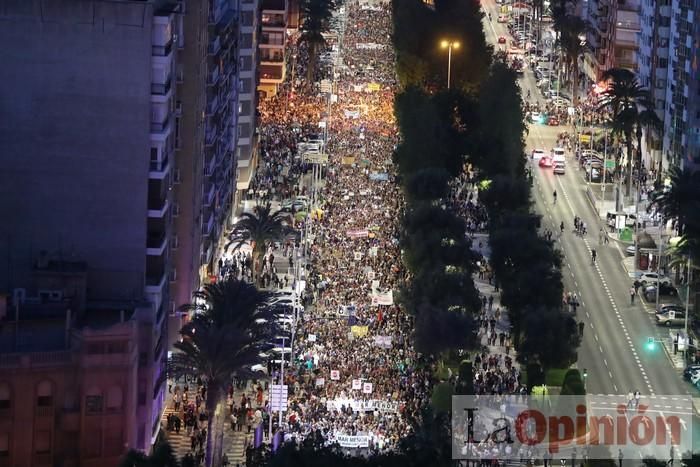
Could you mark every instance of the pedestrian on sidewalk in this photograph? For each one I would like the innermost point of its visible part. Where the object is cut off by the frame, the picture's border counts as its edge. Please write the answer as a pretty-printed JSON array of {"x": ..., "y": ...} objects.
[{"x": 490, "y": 302}]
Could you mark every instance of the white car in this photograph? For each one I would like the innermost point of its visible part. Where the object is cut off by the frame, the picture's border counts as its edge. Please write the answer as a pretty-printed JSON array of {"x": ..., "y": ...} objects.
[
  {"x": 535, "y": 117},
  {"x": 652, "y": 278},
  {"x": 559, "y": 169},
  {"x": 537, "y": 153}
]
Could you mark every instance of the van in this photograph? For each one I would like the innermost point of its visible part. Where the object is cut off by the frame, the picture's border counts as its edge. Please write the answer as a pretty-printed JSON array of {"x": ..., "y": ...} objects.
[{"x": 558, "y": 156}]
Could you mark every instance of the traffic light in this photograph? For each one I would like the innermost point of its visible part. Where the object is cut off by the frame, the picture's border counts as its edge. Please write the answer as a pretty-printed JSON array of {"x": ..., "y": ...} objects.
[{"x": 651, "y": 344}]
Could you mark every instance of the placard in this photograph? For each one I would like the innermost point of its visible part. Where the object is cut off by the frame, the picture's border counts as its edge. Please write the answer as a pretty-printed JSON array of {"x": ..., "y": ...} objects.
[
  {"x": 367, "y": 388},
  {"x": 312, "y": 338},
  {"x": 358, "y": 255},
  {"x": 359, "y": 331},
  {"x": 335, "y": 375},
  {"x": 357, "y": 384},
  {"x": 320, "y": 382}
]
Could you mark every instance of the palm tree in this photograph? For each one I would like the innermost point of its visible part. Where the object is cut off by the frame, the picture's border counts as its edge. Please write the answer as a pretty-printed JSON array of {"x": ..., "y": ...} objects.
[
  {"x": 259, "y": 228},
  {"x": 317, "y": 15},
  {"x": 573, "y": 45},
  {"x": 223, "y": 340},
  {"x": 681, "y": 201},
  {"x": 162, "y": 456},
  {"x": 632, "y": 108}
]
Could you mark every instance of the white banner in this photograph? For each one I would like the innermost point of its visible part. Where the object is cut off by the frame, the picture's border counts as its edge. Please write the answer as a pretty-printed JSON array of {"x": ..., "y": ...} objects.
[
  {"x": 348, "y": 441},
  {"x": 363, "y": 406},
  {"x": 382, "y": 341},
  {"x": 352, "y": 114},
  {"x": 382, "y": 298}
]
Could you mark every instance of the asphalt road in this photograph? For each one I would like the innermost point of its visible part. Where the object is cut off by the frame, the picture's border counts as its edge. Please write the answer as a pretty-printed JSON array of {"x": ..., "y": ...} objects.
[{"x": 613, "y": 350}]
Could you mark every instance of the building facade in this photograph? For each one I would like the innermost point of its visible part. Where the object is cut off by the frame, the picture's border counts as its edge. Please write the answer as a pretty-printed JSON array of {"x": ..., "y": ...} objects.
[
  {"x": 246, "y": 157},
  {"x": 273, "y": 38},
  {"x": 612, "y": 38},
  {"x": 74, "y": 372},
  {"x": 668, "y": 68}
]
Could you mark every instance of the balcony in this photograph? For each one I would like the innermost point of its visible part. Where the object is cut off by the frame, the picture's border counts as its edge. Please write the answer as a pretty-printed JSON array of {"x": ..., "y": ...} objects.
[
  {"x": 160, "y": 127},
  {"x": 209, "y": 226},
  {"x": 43, "y": 411},
  {"x": 159, "y": 169},
  {"x": 154, "y": 285},
  {"x": 162, "y": 50},
  {"x": 213, "y": 76},
  {"x": 211, "y": 166},
  {"x": 210, "y": 136},
  {"x": 212, "y": 105},
  {"x": 208, "y": 198},
  {"x": 156, "y": 244},
  {"x": 161, "y": 89},
  {"x": 214, "y": 46},
  {"x": 158, "y": 208}
]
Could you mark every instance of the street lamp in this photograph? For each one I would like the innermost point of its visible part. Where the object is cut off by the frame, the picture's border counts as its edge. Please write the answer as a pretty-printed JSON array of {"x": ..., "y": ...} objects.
[{"x": 449, "y": 45}]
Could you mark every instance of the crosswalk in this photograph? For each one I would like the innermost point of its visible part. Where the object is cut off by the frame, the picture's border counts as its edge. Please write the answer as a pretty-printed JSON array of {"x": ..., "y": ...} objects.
[{"x": 235, "y": 442}]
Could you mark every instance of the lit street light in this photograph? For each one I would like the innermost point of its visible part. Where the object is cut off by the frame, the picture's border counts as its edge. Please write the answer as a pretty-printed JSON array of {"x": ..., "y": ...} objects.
[{"x": 449, "y": 45}]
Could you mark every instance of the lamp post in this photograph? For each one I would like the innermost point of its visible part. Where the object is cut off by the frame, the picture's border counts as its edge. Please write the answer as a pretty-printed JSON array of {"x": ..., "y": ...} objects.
[{"x": 449, "y": 45}]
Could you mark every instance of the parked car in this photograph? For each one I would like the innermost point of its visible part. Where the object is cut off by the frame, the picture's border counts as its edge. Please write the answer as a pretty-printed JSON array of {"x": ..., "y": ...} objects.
[
  {"x": 690, "y": 370},
  {"x": 652, "y": 278},
  {"x": 536, "y": 117},
  {"x": 670, "y": 315},
  {"x": 666, "y": 290}
]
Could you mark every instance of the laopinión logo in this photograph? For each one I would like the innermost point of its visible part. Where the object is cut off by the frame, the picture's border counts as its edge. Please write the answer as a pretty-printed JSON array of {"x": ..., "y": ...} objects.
[{"x": 570, "y": 427}]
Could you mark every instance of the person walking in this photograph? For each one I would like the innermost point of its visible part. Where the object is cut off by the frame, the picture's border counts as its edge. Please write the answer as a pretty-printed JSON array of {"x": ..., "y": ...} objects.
[{"x": 633, "y": 292}]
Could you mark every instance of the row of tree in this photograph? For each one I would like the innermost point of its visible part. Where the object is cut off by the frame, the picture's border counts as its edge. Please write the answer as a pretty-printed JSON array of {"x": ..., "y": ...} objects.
[{"x": 527, "y": 266}]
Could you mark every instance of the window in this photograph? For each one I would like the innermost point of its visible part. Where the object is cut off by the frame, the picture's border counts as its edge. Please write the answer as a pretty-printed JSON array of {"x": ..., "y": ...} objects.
[
  {"x": 663, "y": 63},
  {"x": 71, "y": 401},
  {"x": 5, "y": 401},
  {"x": 93, "y": 401},
  {"x": 44, "y": 394},
  {"x": 114, "y": 399},
  {"x": 42, "y": 442},
  {"x": 4, "y": 445}
]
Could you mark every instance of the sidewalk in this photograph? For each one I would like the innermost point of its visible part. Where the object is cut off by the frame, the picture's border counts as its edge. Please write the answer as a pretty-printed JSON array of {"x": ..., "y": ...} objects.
[{"x": 235, "y": 442}]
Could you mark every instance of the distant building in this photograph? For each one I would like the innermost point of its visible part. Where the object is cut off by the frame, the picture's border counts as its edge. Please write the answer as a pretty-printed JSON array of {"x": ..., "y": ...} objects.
[{"x": 272, "y": 46}]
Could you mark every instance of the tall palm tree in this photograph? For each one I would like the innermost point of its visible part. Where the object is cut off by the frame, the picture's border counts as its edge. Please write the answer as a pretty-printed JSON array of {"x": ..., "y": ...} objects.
[
  {"x": 162, "y": 456},
  {"x": 259, "y": 228},
  {"x": 632, "y": 108},
  {"x": 223, "y": 340},
  {"x": 681, "y": 201},
  {"x": 317, "y": 15},
  {"x": 573, "y": 45}
]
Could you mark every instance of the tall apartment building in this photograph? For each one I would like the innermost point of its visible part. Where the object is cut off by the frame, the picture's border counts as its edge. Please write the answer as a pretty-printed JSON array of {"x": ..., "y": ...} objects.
[
  {"x": 272, "y": 46},
  {"x": 612, "y": 37},
  {"x": 119, "y": 138},
  {"x": 88, "y": 144},
  {"x": 668, "y": 67},
  {"x": 207, "y": 139},
  {"x": 249, "y": 24}
]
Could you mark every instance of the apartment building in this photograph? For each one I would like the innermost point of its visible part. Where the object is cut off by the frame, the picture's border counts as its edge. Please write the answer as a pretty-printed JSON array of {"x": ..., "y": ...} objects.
[
  {"x": 613, "y": 36},
  {"x": 668, "y": 68},
  {"x": 207, "y": 141},
  {"x": 86, "y": 170},
  {"x": 246, "y": 157},
  {"x": 72, "y": 385},
  {"x": 272, "y": 46}
]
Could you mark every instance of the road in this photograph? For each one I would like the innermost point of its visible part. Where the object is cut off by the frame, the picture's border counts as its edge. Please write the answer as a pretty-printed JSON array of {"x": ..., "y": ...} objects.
[{"x": 613, "y": 349}]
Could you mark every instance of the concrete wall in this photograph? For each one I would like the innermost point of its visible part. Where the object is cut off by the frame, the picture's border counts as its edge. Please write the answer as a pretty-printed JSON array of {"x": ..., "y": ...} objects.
[{"x": 74, "y": 139}]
